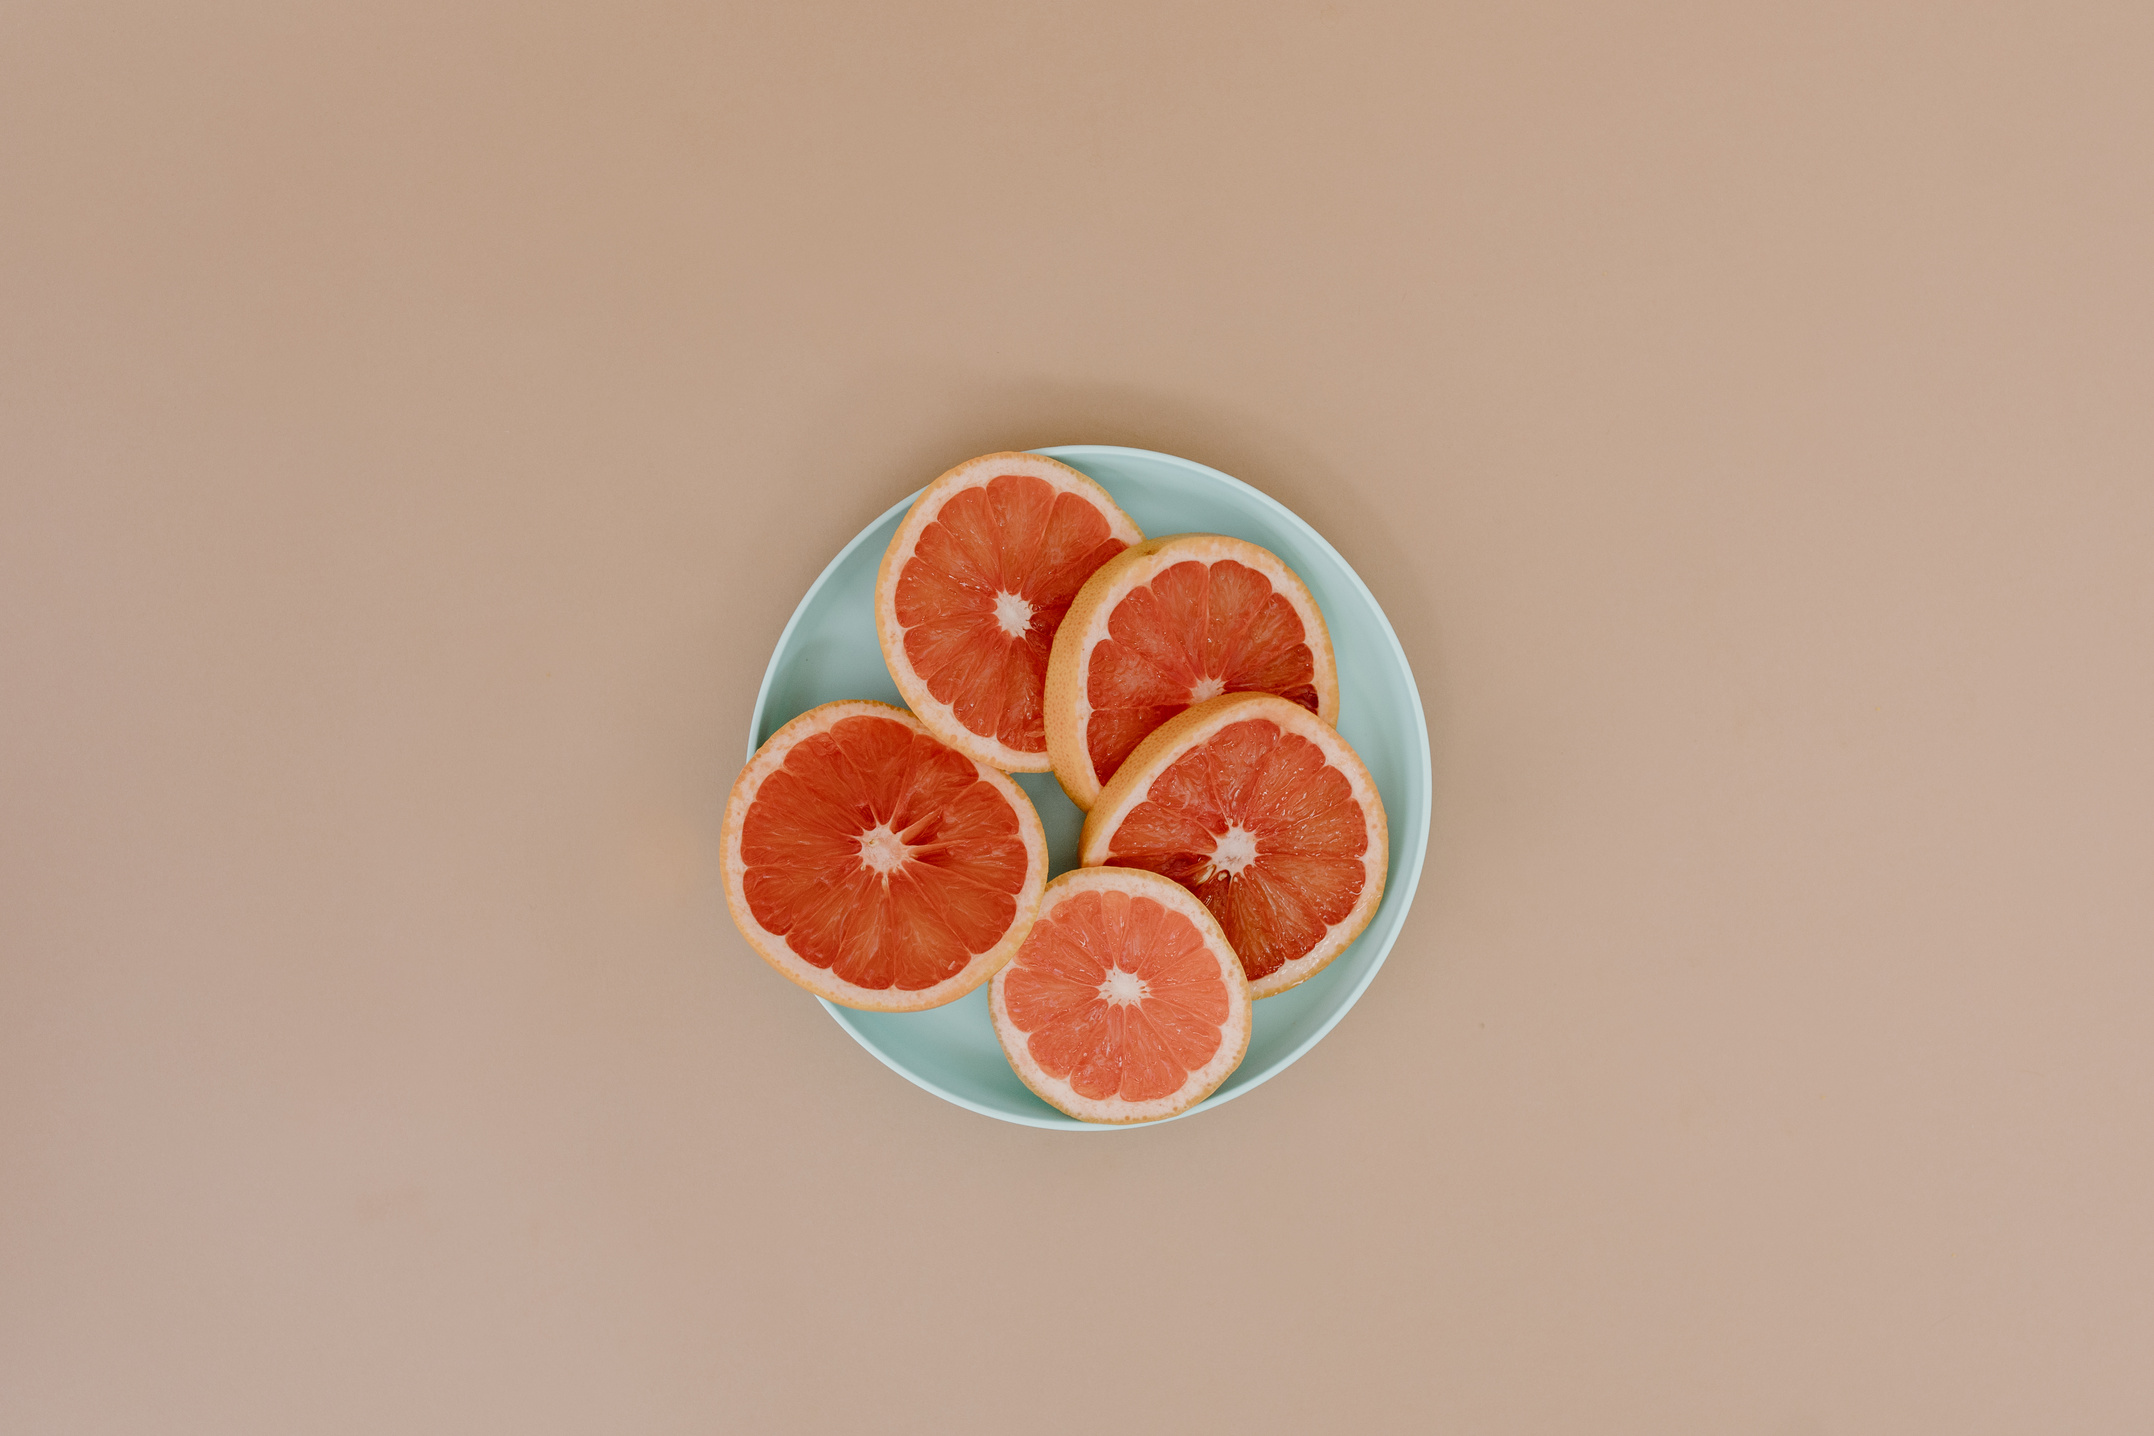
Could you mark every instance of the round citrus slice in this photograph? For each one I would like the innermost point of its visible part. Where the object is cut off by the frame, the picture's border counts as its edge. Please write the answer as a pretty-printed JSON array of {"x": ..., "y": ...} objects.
[
  {"x": 876, "y": 866},
  {"x": 972, "y": 587},
  {"x": 1261, "y": 809},
  {"x": 1125, "y": 1003},
  {"x": 1172, "y": 622}
]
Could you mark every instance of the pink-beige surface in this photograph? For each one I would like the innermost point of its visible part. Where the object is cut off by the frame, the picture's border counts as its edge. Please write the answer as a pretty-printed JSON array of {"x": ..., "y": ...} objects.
[{"x": 417, "y": 421}]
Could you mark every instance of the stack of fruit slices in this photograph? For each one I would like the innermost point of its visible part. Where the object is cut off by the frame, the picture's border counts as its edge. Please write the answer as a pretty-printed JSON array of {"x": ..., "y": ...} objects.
[{"x": 1183, "y": 692}]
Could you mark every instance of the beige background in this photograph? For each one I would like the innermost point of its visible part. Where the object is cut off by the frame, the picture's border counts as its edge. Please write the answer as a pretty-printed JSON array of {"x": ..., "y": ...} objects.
[{"x": 419, "y": 420}]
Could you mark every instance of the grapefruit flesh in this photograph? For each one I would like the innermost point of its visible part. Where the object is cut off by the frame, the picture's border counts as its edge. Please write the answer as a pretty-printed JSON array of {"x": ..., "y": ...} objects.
[
  {"x": 974, "y": 585},
  {"x": 1264, "y": 813},
  {"x": 876, "y": 866},
  {"x": 1172, "y": 622},
  {"x": 1125, "y": 1003}
]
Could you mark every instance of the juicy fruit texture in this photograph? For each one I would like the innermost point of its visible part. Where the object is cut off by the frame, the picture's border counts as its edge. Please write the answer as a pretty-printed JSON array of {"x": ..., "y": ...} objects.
[
  {"x": 976, "y": 581},
  {"x": 1263, "y": 813},
  {"x": 1119, "y": 997},
  {"x": 875, "y": 865},
  {"x": 1255, "y": 791},
  {"x": 1125, "y": 1002},
  {"x": 1171, "y": 623},
  {"x": 877, "y": 853}
]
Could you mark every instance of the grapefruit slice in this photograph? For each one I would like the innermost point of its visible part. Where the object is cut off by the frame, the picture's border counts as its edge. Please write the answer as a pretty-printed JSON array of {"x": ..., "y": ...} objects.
[
  {"x": 1258, "y": 807},
  {"x": 1172, "y": 622},
  {"x": 1125, "y": 1003},
  {"x": 876, "y": 866},
  {"x": 972, "y": 588}
]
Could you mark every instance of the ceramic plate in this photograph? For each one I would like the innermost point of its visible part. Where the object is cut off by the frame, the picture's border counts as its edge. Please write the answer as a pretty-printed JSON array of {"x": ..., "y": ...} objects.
[{"x": 828, "y": 651}]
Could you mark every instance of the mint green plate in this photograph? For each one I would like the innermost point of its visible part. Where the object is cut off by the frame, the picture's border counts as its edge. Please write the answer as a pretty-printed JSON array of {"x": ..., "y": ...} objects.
[{"x": 828, "y": 651}]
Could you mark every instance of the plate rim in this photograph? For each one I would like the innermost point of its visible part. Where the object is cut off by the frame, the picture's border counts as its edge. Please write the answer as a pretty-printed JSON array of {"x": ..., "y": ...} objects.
[{"x": 1404, "y": 889}]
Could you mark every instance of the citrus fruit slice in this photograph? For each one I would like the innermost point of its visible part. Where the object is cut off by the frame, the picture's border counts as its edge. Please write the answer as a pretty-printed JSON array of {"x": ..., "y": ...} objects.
[
  {"x": 1125, "y": 1003},
  {"x": 1261, "y": 809},
  {"x": 1172, "y": 622},
  {"x": 972, "y": 587},
  {"x": 876, "y": 866}
]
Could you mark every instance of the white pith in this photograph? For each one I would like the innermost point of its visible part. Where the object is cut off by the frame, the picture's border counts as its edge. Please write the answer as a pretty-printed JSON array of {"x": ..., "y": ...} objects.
[
  {"x": 1012, "y": 614},
  {"x": 1234, "y": 1032},
  {"x": 775, "y": 950},
  {"x": 1123, "y": 988},
  {"x": 939, "y": 717},
  {"x": 882, "y": 850},
  {"x": 1133, "y": 785},
  {"x": 1235, "y": 849},
  {"x": 1206, "y": 687}
]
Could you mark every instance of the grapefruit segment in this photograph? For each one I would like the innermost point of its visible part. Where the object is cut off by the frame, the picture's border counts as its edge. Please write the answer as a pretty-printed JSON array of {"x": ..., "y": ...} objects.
[
  {"x": 1262, "y": 811},
  {"x": 1125, "y": 1002},
  {"x": 876, "y": 866},
  {"x": 972, "y": 588},
  {"x": 1169, "y": 623}
]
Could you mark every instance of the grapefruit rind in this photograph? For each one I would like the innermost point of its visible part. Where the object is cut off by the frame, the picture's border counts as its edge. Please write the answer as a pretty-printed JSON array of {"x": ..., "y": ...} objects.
[
  {"x": 773, "y": 948},
  {"x": 941, "y": 718},
  {"x": 1067, "y": 706},
  {"x": 1195, "y": 726},
  {"x": 1203, "y": 1081}
]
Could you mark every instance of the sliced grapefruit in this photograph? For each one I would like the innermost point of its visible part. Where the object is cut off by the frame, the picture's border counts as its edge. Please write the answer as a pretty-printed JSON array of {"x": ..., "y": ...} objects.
[
  {"x": 1172, "y": 622},
  {"x": 972, "y": 588},
  {"x": 1258, "y": 807},
  {"x": 876, "y": 866},
  {"x": 1125, "y": 1003}
]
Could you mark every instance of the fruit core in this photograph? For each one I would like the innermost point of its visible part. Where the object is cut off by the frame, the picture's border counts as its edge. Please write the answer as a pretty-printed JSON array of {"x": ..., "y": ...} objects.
[
  {"x": 1122, "y": 988},
  {"x": 1236, "y": 849},
  {"x": 882, "y": 850},
  {"x": 1013, "y": 615},
  {"x": 1206, "y": 687}
]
